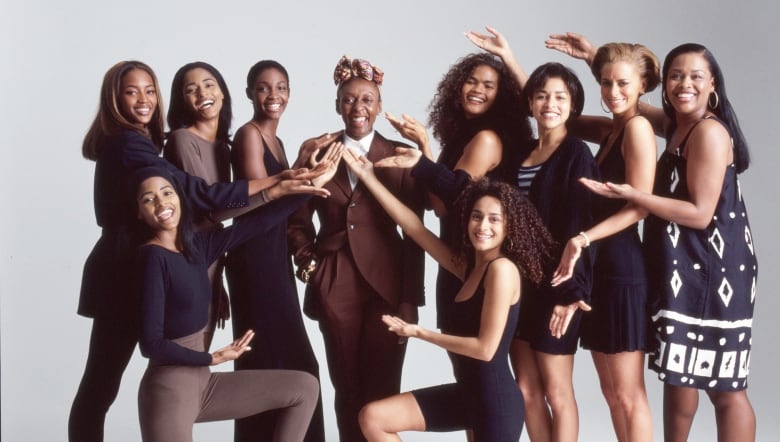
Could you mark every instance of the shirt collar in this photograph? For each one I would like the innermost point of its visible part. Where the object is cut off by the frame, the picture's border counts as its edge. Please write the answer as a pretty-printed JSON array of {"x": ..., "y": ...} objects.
[{"x": 362, "y": 145}]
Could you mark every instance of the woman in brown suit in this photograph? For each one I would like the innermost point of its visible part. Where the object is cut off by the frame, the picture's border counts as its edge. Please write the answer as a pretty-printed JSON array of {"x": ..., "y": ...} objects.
[{"x": 356, "y": 265}]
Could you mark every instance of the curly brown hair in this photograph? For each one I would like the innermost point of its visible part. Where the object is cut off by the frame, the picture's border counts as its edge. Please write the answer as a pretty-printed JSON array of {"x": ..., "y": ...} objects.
[
  {"x": 507, "y": 116},
  {"x": 528, "y": 243}
]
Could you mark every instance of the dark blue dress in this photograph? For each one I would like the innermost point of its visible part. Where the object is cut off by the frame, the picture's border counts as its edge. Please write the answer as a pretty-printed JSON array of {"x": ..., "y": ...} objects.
[
  {"x": 703, "y": 286},
  {"x": 619, "y": 320},
  {"x": 485, "y": 396},
  {"x": 263, "y": 298}
]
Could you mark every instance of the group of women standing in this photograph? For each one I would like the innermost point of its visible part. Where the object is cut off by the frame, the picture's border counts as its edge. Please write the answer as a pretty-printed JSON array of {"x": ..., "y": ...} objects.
[{"x": 539, "y": 252}]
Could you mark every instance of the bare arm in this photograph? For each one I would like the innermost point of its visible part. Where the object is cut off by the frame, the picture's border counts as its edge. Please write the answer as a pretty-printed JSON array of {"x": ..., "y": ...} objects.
[
  {"x": 502, "y": 290},
  {"x": 709, "y": 153},
  {"x": 572, "y": 44},
  {"x": 402, "y": 215},
  {"x": 496, "y": 44}
]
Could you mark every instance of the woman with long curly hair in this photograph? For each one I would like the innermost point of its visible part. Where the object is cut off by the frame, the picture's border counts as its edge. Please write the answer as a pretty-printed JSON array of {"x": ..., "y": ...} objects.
[
  {"x": 503, "y": 242},
  {"x": 477, "y": 116}
]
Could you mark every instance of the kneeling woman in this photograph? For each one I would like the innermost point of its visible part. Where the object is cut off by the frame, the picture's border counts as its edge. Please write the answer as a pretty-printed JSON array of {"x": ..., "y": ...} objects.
[
  {"x": 502, "y": 240},
  {"x": 177, "y": 388}
]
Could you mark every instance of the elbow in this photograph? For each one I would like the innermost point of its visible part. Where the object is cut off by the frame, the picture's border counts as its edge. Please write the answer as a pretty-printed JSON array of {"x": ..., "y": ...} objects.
[{"x": 486, "y": 354}]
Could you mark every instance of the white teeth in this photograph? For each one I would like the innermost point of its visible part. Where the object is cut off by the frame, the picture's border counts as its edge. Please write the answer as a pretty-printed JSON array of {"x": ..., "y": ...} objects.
[
  {"x": 165, "y": 214},
  {"x": 685, "y": 95},
  {"x": 359, "y": 119},
  {"x": 476, "y": 99},
  {"x": 142, "y": 110},
  {"x": 206, "y": 104}
]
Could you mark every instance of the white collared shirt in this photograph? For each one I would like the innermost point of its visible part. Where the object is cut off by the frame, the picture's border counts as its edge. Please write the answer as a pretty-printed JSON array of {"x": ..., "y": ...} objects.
[{"x": 361, "y": 148}]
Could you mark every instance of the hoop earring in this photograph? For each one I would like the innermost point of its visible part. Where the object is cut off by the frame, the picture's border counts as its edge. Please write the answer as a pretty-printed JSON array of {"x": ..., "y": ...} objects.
[
  {"x": 603, "y": 107},
  {"x": 510, "y": 245},
  {"x": 664, "y": 99},
  {"x": 717, "y": 100}
]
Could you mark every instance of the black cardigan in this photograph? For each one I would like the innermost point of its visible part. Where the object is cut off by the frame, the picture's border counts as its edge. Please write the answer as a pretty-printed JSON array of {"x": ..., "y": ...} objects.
[{"x": 565, "y": 205}]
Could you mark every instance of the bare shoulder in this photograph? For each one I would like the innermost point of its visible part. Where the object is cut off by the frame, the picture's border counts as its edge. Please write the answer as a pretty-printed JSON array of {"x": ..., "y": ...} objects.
[
  {"x": 639, "y": 124},
  {"x": 502, "y": 268}
]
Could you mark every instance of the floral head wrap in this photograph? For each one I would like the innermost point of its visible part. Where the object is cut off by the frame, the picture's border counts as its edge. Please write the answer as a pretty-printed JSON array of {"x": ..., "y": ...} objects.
[{"x": 347, "y": 69}]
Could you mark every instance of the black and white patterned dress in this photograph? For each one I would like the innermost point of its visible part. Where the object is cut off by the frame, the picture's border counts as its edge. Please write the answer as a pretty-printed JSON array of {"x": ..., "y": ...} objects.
[{"x": 703, "y": 287}]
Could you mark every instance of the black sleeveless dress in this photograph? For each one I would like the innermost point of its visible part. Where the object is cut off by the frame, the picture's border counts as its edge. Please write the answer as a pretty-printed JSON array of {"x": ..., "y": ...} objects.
[
  {"x": 263, "y": 297},
  {"x": 619, "y": 320},
  {"x": 485, "y": 396}
]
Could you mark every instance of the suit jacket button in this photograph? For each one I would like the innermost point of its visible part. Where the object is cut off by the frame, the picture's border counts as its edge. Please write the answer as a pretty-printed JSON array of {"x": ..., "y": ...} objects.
[
  {"x": 352, "y": 204},
  {"x": 351, "y": 227}
]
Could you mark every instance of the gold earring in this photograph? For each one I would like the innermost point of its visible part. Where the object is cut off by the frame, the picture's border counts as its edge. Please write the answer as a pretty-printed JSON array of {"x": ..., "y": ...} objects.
[{"x": 717, "y": 100}]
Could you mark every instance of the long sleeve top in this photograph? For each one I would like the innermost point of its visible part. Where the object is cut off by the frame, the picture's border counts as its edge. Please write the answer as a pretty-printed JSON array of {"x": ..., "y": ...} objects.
[{"x": 175, "y": 292}]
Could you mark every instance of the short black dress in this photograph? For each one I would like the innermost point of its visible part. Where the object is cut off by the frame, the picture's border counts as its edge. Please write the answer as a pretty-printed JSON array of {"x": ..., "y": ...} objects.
[
  {"x": 619, "y": 320},
  {"x": 703, "y": 286},
  {"x": 485, "y": 396}
]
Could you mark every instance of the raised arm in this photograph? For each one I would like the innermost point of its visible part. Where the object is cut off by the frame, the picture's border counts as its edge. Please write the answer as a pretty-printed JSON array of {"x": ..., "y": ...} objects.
[
  {"x": 709, "y": 152},
  {"x": 502, "y": 290},
  {"x": 639, "y": 153},
  {"x": 413, "y": 131},
  {"x": 572, "y": 44},
  {"x": 411, "y": 224},
  {"x": 496, "y": 44}
]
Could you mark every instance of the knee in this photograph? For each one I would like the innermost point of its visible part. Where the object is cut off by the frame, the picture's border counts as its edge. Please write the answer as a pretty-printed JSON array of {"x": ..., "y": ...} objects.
[
  {"x": 560, "y": 396},
  {"x": 310, "y": 386},
  {"x": 370, "y": 419}
]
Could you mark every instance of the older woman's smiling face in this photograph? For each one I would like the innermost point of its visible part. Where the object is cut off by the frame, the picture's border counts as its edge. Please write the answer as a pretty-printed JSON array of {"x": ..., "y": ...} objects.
[{"x": 358, "y": 102}]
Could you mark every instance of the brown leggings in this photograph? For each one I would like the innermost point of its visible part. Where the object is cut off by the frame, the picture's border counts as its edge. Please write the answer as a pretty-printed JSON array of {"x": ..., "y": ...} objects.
[{"x": 171, "y": 398}]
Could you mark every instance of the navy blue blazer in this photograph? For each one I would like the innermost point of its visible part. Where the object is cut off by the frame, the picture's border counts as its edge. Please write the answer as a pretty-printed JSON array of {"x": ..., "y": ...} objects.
[{"x": 105, "y": 284}]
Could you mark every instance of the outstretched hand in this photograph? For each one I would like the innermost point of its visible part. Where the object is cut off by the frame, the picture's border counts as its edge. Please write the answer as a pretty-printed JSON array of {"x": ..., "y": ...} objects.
[
  {"x": 561, "y": 317},
  {"x": 359, "y": 165},
  {"x": 311, "y": 147},
  {"x": 495, "y": 43},
  {"x": 610, "y": 190},
  {"x": 234, "y": 350},
  {"x": 573, "y": 45},
  {"x": 565, "y": 270},
  {"x": 410, "y": 129},
  {"x": 297, "y": 181},
  {"x": 399, "y": 326},
  {"x": 404, "y": 158}
]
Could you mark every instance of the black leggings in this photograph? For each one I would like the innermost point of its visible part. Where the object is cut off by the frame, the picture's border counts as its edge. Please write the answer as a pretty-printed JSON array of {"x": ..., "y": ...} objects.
[{"x": 110, "y": 347}]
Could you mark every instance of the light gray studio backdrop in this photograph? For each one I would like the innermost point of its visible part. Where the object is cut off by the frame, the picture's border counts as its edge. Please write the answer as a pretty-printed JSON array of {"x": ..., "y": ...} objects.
[{"x": 54, "y": 55}]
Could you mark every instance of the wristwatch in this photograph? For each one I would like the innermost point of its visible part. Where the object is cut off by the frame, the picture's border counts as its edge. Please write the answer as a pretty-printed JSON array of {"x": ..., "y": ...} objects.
[{"x": 305, "y": 271}]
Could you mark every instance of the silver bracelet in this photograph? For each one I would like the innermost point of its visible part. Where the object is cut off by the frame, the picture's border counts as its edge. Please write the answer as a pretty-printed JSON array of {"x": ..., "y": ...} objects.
[{"x": 585, "y": 237}]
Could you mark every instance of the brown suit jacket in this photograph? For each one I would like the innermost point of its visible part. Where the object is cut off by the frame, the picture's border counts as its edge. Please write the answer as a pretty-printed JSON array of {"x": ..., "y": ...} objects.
[{"x": 391, "y": 263}]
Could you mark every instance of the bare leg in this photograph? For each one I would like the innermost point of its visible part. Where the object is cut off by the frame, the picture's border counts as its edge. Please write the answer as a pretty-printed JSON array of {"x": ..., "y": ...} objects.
[
  {"x": 625, "y": 371},
  {"x": 680, "y": 404},
  {"x": 557, "y": 371},
  {"x": 734, "y": 416},
  {"x": 538, "y": 420},
  {"x": 608, "y": 391},
  {"x": 382, "y": 420}
]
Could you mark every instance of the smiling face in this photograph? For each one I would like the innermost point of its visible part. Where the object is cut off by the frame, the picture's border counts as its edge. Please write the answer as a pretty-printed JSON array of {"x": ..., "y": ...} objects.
[
  {"x": 358, "y": 102},
  {"x": 269, "y": 94},
  {"x": 487, "y": 224},
  {"x": 202, "y": 94},
  {"x": 137, "y": 97},
  {"x": 479, "y": 91},
  {"x": 621, "y": 87},
  {"x": 689, "y": 83},
  {"x": 551, "y": 104},
  {"x": 158, "y": 204}
]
